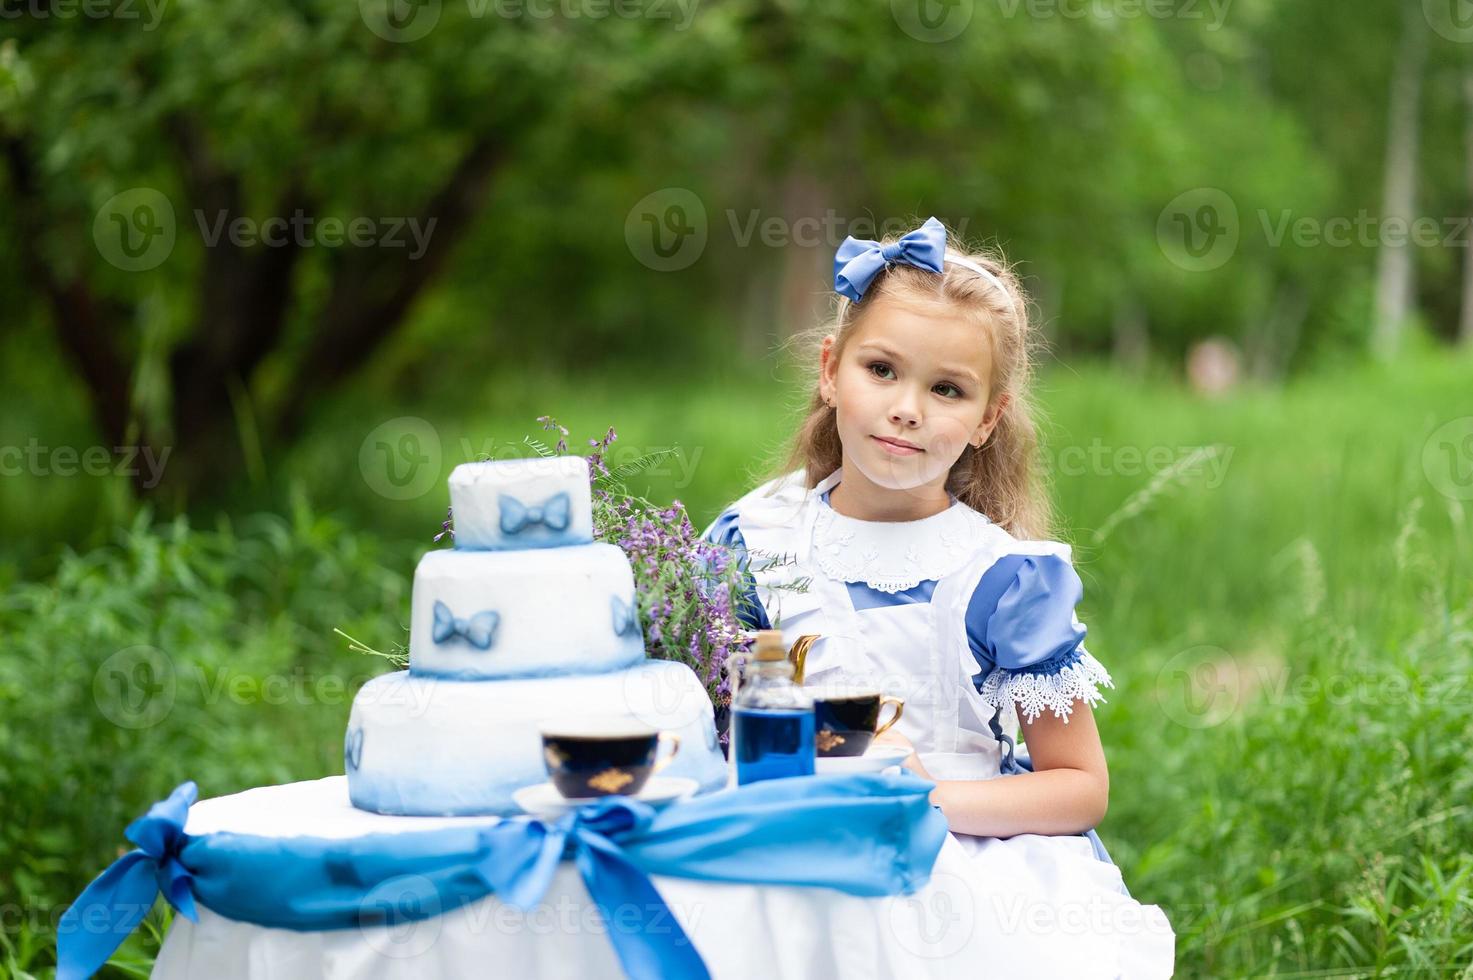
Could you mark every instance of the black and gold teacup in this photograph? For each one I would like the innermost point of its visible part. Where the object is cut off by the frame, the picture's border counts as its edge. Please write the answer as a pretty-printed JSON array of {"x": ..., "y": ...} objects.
[
  {"x": 603, "y": 756},
  {"x": 846, "y": 720}
]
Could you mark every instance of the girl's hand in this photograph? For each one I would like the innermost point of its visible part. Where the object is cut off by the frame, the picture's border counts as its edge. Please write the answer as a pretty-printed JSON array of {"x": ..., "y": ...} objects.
[{"x": 913, "y": 761}]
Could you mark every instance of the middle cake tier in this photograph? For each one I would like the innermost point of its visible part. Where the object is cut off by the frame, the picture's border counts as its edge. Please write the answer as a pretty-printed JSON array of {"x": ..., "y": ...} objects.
[{"x": 492, "y": 615}]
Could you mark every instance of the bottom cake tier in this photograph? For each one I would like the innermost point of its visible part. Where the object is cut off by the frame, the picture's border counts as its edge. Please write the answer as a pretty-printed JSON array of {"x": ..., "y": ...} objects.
[{"x": 430, "y": 746}]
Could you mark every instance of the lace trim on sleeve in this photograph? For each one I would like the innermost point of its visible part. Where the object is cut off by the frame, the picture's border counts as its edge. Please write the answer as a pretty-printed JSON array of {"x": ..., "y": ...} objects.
[{"x": 1080, "y": 679}]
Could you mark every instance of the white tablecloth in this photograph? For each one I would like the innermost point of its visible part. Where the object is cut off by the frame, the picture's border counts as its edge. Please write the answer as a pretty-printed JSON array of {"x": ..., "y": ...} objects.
[{"x": 956, "y": 926}]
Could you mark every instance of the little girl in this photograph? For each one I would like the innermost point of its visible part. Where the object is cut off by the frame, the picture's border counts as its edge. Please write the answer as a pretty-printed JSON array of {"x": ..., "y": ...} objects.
[{"x": 913, "y": 510}]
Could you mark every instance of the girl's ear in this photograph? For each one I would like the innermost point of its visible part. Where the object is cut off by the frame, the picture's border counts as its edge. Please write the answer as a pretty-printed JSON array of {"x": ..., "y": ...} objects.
[
  {"x": 989, "y": 421},
  {"x": 828, "y": 367}
]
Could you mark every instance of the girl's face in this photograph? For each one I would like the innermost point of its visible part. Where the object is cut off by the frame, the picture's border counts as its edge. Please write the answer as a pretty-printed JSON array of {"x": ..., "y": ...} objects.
[{"x": 911, "y": 391}]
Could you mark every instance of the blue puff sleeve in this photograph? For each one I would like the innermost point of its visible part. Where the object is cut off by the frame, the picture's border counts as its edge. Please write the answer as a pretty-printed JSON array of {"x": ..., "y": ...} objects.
[
  {"x": 1026, "y": 639},
  {"x": 725, "y": 531}
]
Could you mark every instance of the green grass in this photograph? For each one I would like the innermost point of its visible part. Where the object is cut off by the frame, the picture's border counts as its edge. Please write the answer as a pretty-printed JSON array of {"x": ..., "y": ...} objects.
[
  {"x": 1291, "y": 638},
  {"x": 1309, "y": 818}
]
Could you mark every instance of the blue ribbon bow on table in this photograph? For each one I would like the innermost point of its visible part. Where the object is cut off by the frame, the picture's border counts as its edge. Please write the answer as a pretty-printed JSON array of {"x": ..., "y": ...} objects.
[
  {"x": 863, "y": 834},
  {"x": 524, "y": 863},
  {"x": 110, "y": 908},
  {"x": 553, "y": 514},
  {"x": 859, "y": 260},
  {"x": 479, "y": 630}
]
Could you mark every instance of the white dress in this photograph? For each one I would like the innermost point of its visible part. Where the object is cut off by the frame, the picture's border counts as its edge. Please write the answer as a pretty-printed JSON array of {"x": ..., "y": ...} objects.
[{"x": 891, "y": 602}]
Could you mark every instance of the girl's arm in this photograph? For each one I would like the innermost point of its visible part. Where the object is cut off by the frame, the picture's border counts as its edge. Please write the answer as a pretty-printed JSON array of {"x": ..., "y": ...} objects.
[{"x": 1067, "y": 793}]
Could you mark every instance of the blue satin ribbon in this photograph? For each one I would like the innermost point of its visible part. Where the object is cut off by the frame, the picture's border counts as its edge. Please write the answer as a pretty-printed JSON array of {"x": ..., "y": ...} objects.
[
  {"x": 865, "y": 834},
  {"x": 554, "y": 513},
  {"x": 110, "y": 908},
  {"x": 525, "y": 863},
  {"x": 859, "y": 260}
]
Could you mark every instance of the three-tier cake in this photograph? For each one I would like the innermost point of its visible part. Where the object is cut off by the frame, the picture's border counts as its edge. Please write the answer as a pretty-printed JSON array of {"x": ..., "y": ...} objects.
[{"x": 525, "y": 619}]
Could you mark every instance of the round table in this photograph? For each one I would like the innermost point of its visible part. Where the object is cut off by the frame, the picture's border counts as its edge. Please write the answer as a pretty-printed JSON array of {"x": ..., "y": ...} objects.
[{"x": 946, "y": 929}]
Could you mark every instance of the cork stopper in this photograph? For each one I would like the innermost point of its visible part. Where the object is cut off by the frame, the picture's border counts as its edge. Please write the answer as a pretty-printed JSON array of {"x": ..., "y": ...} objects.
[{"x": 769, "y": 646}]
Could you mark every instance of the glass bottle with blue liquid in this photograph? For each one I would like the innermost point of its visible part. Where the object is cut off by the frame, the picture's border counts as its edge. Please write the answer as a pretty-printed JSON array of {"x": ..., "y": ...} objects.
[{"x": 771, "y": 717}]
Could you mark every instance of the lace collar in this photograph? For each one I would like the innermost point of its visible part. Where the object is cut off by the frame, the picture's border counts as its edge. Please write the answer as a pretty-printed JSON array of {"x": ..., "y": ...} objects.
[{"x": 893, "y": 556}]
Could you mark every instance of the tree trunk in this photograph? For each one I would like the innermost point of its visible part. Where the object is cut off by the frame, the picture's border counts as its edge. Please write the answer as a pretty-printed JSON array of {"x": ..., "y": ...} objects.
[
  {"x": 1394, "y": 273},
  {"x": 1131, "y": 336},
  {"x": 1272, "y": 343},
  {"x": 372, "y": 291},
  {"x": 807, "y": 276},
  {"x": 1465, "y": 325},
  {"x": 246, "y": 299},
  {"x": 89, "y": 328},
  {"x": 1049, "y": 305}
]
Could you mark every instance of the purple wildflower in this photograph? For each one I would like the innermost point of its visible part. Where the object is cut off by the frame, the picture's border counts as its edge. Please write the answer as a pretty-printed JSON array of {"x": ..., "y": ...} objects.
[
  {"x": 549, "y": 423},
  {"x": 684, "y": 585},
  {"x": 447, "y": 527}
]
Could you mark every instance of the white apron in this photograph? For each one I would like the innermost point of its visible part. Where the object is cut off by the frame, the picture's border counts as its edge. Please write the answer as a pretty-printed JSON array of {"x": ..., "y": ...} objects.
[
  {"x": 919, "y": 651},
  {"x": 915, "y": 651}
]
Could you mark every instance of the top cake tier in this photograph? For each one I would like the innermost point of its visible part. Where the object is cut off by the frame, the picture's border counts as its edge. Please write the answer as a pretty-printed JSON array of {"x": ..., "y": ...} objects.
[{"x": 511, "y": 504}]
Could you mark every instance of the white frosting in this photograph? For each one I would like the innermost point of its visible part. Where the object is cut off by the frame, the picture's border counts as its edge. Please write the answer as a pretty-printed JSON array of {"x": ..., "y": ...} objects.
[
  {"x": 481, "y": 492},
  {"x": 436, "y": 747},
  {"x": 555, "y": 612}
]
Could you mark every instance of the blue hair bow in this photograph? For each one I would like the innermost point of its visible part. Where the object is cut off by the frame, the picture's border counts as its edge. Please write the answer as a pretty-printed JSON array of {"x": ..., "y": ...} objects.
[
  {"x": 553, "y": 514},
  {"x": 859, "y": 260},
  {"x": 479, "y": 630}
]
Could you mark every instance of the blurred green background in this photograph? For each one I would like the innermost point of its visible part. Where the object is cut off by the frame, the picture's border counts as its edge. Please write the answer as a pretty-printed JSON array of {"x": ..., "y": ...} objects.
[{"x": 269, "y": 270}]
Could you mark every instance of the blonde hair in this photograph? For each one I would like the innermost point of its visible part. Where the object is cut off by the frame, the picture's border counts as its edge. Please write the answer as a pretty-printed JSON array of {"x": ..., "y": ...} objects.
[{"x": 1004, "y": 479}]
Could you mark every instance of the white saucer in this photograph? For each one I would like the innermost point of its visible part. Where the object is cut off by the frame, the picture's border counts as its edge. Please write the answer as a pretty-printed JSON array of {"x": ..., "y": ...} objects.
[
  {"x": 543, "y": 799},
  {"x": 875, "y": 758}
]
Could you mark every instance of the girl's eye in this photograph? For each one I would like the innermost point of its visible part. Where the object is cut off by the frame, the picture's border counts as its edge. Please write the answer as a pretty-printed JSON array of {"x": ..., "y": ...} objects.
[
  {"x": 947, "y": 390},
  {"x": 881, "y": 370}
]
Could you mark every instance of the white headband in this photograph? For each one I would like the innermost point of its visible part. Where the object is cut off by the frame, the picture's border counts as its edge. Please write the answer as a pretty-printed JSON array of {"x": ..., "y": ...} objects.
[{"x": 969, "y": 264}]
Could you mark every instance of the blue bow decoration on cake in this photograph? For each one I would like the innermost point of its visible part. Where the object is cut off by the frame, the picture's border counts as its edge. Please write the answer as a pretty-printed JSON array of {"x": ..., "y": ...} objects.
[
  {"x": 553, "y": 514},
  {"x": 859, "y": 260},
  {"x": 525, "y": 858},
  {"x": 479, "y": 630},
  {"x": 110, "y": 908},
  {"x": 353, "y": 749},
  {"x": 625, "y": 620}
]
